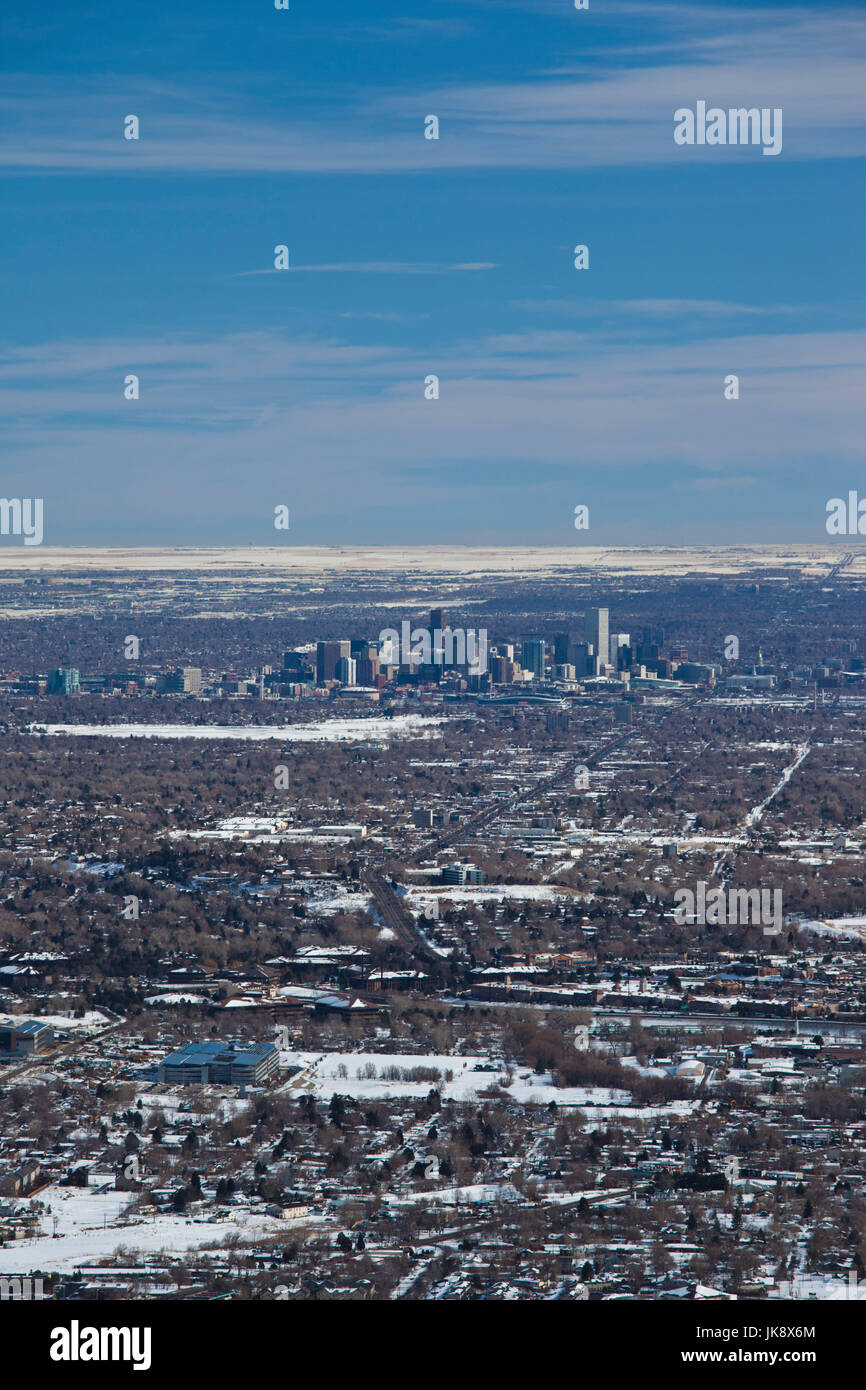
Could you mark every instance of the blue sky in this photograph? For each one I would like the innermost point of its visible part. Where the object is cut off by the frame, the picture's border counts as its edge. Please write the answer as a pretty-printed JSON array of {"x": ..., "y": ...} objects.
[{"x": 409, "y": 257}]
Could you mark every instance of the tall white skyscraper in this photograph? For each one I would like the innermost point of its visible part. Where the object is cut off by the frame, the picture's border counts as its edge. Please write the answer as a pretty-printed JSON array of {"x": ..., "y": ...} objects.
[{"x": 597, "y": 625}]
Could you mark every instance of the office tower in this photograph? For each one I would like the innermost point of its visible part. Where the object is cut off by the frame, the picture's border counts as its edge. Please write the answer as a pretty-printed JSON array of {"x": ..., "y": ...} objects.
[
  {"x": 327, "y": 656},
  {"x": 502, "y": 671},
  {"x": 438, "y": 624},
  {"x": 596, "y": 624},
  {"x": 620, "y": 650},
  {"x": 563, "y": 647},
  {"x": 296, "y": 665},
  {"x": 191, "y": 678},
  {"x": 63, "y": 681},
  {"x": 532, "y": 656},
  {"x": 347, "y": 669},
  {"x": 583, "y": 659},
  {"x": 367, "y": 669}
]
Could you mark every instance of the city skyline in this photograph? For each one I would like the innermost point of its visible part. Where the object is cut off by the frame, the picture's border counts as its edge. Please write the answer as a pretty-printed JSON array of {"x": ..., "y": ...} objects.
[{"x": 433, "y": 670}]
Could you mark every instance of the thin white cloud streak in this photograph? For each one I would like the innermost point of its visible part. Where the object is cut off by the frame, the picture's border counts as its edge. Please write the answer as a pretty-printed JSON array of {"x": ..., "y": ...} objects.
[
  {"x": 655, "y": 308},
  {"x": 375, "y": 268}
]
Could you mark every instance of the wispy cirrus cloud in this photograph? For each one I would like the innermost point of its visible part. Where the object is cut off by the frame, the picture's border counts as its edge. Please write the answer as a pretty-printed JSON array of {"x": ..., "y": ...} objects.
[
  {"x": 603, "y": 109},
  {"x": 657, "y": 308},
  {"x": 518, "y": 396},
  {"x": 227, "y": 427}
]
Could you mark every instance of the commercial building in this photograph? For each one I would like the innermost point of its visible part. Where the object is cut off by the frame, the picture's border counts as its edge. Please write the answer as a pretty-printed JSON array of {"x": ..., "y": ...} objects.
[
  {"x": 584, "y": 660},
  {"x": 750, "y": 682},
  {"x": 297, "y": 666},
  {"x": 367, "y": 669},
  {"x": 564, "y": 644},
  {"x": 619, "y": 646},
  {"x": 462, "y": 873},
  {"x": 327, "y": 656},
  {"x": 21, "y": 1039},
  {"x": 216, "y": 1063},
  {"x": 533, "y": 656},
  {"x": 63, "y": 681},
  {"x": 597, "y": 632},
  {"x": 695, "y": 673},
  {"x": 503, "y": 671},
  {"x": 187, "y": 680},
  {"x": 438, "y": 623}
]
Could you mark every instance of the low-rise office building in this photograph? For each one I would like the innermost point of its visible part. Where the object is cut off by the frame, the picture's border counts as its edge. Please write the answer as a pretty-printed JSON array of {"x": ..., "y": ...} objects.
[{"x": 215, "y": 1063}]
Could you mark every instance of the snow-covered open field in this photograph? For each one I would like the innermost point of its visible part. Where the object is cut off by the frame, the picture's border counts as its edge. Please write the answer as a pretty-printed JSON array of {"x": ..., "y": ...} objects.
[
  {"x": 90, "y": 1227},
  {"x": 328, "y": 731},
  {"x": 850, "y": 928},
  {"x": 373, "y": 1076},
  {"x": 418, "y": 899},
  {"x": 465, "y": 560}
]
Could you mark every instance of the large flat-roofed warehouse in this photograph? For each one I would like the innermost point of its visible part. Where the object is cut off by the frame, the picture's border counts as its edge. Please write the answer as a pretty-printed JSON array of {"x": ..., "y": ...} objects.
[{"x": 204, "y": 1063}]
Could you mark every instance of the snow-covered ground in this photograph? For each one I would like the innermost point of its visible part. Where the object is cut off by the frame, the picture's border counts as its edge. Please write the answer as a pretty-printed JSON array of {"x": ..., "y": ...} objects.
[
  {"x": 418, "y": 899},
  {"x": 90, "y": 1227},
  {"x": 470, "y": 562},
  {"x": 851, "y": 928},
  {"x": 476, "y": 1194},
  {"x": 328, "y": 731},
  {"x": 337, "y": 900},
  {"x": 364, "y": 1075},
  {"x": 820, "y": 1286},
  {"x": 176, "y": 998},
  {"x": 92, "y": 1021}
]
